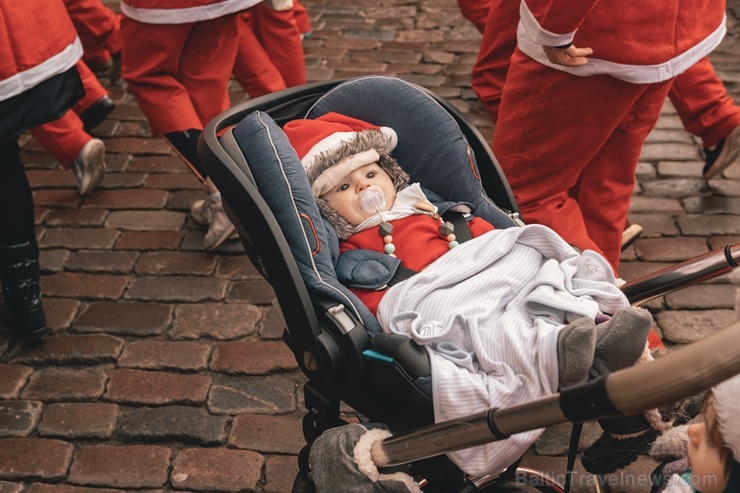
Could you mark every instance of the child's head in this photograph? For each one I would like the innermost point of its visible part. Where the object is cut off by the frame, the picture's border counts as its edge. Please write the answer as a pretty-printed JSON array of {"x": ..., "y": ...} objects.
[
  {"x": 714, "y": 443},
  {"x": 344, "y": 156}
]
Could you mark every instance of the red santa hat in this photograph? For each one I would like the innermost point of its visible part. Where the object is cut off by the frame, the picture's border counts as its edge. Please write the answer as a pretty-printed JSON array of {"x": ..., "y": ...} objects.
[{"x": 333, "y": 145}]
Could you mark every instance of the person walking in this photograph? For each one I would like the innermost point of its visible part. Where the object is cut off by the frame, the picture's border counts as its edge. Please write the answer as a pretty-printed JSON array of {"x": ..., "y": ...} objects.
[
  {"x": 39, "y": 82},
  {"x": 568, "y": 151},
  {"x": 177, "y": 60}
]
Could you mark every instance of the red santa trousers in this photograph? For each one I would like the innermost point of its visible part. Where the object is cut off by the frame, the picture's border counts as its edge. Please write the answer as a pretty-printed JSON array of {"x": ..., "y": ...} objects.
[
  {"x": 301, "y": 17},
  {"x": 253, "y": 68},
  {"x": 280, "y": 36},
  {"x": 179, "y": 73},
  {"x": 703, "y": 105},
  {"x": 65, "y": 137},
  {"x": 98, "y": 26},
  {"x": 569, "y": 147},
  {"x": 496, "y": 48}
]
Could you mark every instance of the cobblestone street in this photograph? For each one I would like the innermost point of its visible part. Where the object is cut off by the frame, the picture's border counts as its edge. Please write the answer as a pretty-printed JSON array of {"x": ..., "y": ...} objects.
[{"x": 164, "y": 370}]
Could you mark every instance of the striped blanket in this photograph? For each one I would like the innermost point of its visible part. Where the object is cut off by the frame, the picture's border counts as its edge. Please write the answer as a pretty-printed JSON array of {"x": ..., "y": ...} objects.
[{"x": 489, "y": 312}]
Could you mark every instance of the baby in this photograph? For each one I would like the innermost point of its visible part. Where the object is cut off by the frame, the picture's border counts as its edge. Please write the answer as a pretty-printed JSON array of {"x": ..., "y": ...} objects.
[
  {"x": 712, "y": 445},
  {"x": 507, "y": 317}
]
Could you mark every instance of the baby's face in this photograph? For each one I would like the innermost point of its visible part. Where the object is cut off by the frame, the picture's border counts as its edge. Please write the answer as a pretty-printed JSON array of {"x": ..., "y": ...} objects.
[
  {"x": 705, "y": 460},
  {"x": 343, "y": 196}
]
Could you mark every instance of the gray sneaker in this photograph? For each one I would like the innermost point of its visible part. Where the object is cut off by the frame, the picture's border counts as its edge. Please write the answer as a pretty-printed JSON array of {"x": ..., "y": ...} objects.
[
  {"x": 201, "y": 212},
  {"x": 89, "y": 166},
  {"x": 211, "y": 212}
]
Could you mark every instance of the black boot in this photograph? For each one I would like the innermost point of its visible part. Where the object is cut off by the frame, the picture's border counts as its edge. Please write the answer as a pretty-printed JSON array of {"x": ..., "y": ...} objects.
[
  {"x": 97, "y": 112},
  {"x": 185, "y": 143},
  {"x": 19, "y": 275}
]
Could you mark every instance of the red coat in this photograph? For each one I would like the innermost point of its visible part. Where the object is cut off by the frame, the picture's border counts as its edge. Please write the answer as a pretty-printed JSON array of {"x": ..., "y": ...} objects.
[
  {"x": 181, "y": 11},
  {"x": 34, "y": 48},
  {"x": 418, "y": 244},
  {"x": 634, "y": 40}
]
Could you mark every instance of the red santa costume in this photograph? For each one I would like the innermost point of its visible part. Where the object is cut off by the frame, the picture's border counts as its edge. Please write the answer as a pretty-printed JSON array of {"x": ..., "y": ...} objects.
[
  {"x": 698, "y": 95},
  {"x": 177, "y": 58},
  {"x": 64, "y": 138},
  {"x": 702, "y": 103},
  {"x": 99, "y": 29},
  {"x": 25, "y": 62},
  {"x": 569, "y": 138}
]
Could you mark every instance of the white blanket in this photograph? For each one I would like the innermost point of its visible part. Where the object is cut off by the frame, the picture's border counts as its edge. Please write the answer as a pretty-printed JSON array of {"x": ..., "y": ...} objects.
[{"x": 489, "y": 312}]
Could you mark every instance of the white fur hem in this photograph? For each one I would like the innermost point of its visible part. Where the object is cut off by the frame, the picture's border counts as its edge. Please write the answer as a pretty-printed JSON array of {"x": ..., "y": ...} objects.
[{"x": 365, "y": 464}]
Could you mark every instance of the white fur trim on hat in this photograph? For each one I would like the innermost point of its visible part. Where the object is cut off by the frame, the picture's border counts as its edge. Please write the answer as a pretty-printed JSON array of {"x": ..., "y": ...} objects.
[
  {"x": 335, "y": 140},
  {"x": 727, "y": 406}
]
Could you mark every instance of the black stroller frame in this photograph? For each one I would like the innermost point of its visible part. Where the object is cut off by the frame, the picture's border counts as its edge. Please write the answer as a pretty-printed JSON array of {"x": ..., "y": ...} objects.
[{"x": 343, "y": 364}]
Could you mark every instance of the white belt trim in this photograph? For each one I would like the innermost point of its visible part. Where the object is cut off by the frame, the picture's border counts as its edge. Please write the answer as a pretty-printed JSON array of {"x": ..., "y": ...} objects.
[
  {"x": 635, "y": 74},
  {"x": 186, "y": 15},
  {"x": 59, "y": 63}
]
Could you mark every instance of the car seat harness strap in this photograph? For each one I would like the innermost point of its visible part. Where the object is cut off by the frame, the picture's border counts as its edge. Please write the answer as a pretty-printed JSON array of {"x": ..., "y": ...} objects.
[{"x": 453, "y": 225}]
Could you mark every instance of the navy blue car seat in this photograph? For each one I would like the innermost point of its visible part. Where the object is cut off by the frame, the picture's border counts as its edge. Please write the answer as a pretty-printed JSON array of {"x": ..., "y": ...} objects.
[{"x": 336, "y": 340}]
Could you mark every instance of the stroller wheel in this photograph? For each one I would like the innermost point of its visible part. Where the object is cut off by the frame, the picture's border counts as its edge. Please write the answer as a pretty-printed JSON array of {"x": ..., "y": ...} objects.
[{"x": 525, "y": 480}]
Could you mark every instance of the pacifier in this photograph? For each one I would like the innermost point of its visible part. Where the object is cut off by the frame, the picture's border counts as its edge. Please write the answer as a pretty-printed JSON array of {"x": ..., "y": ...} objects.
[{"x": 369, "y": 200}]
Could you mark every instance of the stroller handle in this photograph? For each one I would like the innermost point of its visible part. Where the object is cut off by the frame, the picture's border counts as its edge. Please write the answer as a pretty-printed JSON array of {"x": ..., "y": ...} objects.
[
  {"x": 695, "y": 270},
  {"x": 679, "y": 374}
]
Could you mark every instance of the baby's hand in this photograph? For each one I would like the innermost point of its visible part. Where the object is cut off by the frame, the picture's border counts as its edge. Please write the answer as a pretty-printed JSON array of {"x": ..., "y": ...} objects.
[{"x": 568, "y": 57}]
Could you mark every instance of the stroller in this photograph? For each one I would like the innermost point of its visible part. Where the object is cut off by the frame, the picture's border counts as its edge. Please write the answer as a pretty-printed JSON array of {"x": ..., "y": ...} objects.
[{"x": 340, "y": 346}]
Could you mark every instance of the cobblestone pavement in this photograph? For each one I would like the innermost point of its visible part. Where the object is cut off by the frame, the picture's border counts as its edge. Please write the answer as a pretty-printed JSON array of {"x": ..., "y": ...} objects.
[{"x": 165, "y": 370}]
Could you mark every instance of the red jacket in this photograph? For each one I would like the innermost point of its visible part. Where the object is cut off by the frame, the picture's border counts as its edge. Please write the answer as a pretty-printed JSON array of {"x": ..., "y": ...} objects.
[
  {"x": 181, "y": 11},
  {"x": 418, "y": 244},
  {"x": 634, "y": 40},
  {"x": 37, "y": 42}
]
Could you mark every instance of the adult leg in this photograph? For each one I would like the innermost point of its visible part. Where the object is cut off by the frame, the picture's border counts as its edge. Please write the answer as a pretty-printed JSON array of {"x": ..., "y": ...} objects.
[
  {"x": 707, "y": 111},
  {"x": 99, "y": 30},
  {"x": 19, "y": 253},
  {"x": 150, "y": 64},
  {"x": 301, "y": 19},
  {"x": 611, "y": 173},
  {"x": 278, "y": 32},
  {"x": 179, "y": 76},
  {"x": 253, "y": 68},
  {"x": 208, "y": 54},
  {"x": 548, "y": 132},
  {"x": 496, "y": 48},
  {"x": 74, "y": 148},
  {"x": 151, "y": 58},
  {"x": 702, "y": 103},
  {"x": 63, "y": 138}
]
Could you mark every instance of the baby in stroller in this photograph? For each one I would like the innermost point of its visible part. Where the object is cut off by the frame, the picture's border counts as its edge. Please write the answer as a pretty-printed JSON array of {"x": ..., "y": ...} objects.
[
  {"x": 508, "y": 316},
  {"x": 705, "y": 455}
]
